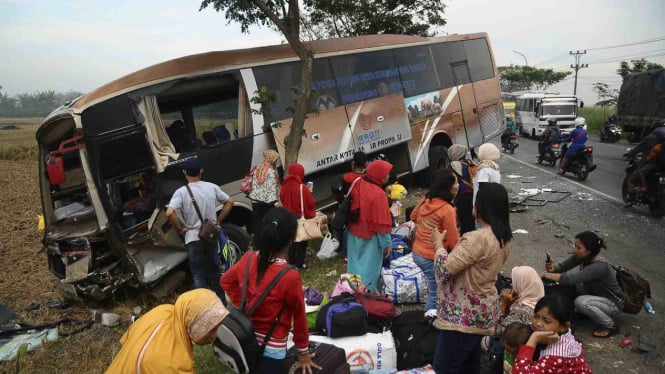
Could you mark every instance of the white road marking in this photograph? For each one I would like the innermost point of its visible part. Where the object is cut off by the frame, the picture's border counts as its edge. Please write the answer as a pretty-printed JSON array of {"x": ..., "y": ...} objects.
[{"x": 602, "y": 194}]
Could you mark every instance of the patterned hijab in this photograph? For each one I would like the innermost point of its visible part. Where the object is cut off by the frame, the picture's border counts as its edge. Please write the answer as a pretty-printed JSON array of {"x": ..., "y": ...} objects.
[{"x": 269, "y": 159}]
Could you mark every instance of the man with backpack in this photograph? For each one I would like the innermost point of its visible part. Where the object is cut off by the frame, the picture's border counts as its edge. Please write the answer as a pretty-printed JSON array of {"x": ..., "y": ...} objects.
[{"x": 550, "y": 136}]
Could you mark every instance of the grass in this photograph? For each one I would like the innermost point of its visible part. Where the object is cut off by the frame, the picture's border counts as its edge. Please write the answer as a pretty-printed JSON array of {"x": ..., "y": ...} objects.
[
  {"x": 596, "y": 117},
  {"x": 19, "y": 144}
]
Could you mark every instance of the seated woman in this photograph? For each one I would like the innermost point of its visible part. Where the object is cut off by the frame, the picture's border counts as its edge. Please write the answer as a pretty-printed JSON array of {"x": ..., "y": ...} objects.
[
  {"x": 277, "y": 231},
  {"x": 551, "y": 326},
  {"x": 161, "y": 340},
  {"x": 516, "y": 306},
  {"x": 600, "y": 295}
]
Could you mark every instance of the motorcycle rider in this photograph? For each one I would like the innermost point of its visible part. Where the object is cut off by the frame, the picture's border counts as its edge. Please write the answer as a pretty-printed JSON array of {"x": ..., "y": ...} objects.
[
  {"x": 611, "y": 121},
  {"x": 653, "y": 145},
  {"x": 550, "y": 136},
  {"x": 511, "y": 129},
  {"x": 578, "y": 137}
]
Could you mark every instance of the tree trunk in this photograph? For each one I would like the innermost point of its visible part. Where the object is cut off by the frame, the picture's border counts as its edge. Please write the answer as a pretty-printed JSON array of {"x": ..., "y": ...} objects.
[{"x": 294, "y": 139}]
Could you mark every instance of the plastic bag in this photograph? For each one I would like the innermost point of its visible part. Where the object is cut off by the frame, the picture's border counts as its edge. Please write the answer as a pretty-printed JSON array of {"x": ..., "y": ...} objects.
[{"x": 329, "y": 247}]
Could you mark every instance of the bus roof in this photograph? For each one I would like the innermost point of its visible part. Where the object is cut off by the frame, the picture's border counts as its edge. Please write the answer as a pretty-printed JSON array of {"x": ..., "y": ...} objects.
[{"x": 218, "y": 60}]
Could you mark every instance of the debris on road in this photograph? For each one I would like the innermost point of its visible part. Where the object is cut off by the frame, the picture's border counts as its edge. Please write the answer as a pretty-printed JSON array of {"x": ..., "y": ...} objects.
[{"x": 520, "y": 231}]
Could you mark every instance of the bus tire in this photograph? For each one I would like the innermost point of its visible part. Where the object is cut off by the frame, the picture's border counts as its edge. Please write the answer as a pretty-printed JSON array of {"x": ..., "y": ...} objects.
[
  {"x": 533, "y": 133},
  {"x": 238, "y": 243}
]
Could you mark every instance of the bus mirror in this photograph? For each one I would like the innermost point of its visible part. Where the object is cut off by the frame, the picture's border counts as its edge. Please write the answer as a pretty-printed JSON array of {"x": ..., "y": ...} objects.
[{"x": 581, "y": 104}]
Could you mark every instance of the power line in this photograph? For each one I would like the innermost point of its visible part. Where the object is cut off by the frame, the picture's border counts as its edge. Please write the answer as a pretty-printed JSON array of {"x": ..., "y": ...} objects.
[
  {"x": 652, "y": 40},
  {"x": 611, "y": 61},
  {"x": 616, "y": 58}
]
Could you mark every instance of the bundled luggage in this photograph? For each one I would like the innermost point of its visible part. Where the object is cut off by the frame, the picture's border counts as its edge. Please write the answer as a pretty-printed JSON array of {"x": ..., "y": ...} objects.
[{"x": 341, "y": 317}]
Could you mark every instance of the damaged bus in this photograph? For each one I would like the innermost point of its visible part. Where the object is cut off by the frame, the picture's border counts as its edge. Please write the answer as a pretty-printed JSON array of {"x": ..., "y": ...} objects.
[{"x": 110, "y": 160}]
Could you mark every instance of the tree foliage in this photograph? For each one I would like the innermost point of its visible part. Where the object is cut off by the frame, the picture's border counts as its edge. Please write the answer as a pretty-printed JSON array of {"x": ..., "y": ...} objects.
[
  {"x": 37, "y": 104},
  {"x": 521, "y": 77},
  {"x": 638, "y": 66},
  {"x": 606, "y": 96},
  {"x": 344, "y": 18}
]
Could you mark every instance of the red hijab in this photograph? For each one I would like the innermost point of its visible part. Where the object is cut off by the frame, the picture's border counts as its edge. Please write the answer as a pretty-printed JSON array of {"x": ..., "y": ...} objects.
[
  {"x": 369, "y": 196},
  {"x": 289, "y": 194}
]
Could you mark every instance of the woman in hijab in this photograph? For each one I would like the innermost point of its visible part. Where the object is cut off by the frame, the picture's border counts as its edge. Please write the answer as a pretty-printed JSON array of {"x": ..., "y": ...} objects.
[
  {"x": 488, "y": 169},
  {"x": 265, "y": 187},
  {"x": 161, "y": 340},
  {"x": 464, "y": 200},
  {"x": 517, "y": 304},
  {"x": 369, "y": 236},
  {"x": 298, "y": 199}
]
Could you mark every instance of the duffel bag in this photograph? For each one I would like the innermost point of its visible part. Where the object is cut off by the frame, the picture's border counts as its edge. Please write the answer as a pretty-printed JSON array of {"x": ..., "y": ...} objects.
[{"x": 341, "y": 317}]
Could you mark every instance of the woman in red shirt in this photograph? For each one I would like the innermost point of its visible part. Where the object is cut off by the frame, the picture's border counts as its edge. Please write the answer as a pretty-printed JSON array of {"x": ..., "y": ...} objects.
[
  {"x": 277, "y": 230},
  {"x": 290, "y": 195}
]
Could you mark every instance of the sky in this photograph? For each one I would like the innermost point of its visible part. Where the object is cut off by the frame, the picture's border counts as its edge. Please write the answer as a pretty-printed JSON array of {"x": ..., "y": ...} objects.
[{"x": 82, "y": 44}]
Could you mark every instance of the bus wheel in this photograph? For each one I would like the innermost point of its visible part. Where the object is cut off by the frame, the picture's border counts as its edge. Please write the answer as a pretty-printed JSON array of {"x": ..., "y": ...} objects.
[
  {"x": 533, "y": 133},
  {"x": 238, "y": 244}
]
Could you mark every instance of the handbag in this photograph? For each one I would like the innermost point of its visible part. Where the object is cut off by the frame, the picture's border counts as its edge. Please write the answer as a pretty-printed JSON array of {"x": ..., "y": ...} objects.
[
  {"x": 329, "y": 247},
  {"x": 310, "y": 228},
  {"x": 246, "y": 183},
  {"x": 209, "y": 231},
  {"x": 343, "y": 213}
]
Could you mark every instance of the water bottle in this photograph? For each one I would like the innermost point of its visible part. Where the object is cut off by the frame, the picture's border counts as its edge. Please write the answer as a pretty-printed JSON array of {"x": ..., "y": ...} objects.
[{"x": 648, "y": 308}]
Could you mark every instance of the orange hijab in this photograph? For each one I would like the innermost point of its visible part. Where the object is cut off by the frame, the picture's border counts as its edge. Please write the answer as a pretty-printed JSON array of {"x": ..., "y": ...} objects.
[{"x": 161, "y": 340}]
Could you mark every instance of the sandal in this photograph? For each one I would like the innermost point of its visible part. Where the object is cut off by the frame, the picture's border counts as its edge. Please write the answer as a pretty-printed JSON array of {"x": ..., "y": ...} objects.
[{"x": 605, "y": 332}]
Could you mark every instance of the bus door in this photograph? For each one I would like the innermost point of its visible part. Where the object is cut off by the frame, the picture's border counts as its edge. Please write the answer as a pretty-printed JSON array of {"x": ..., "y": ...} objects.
[{"x": 467, "y": 99}]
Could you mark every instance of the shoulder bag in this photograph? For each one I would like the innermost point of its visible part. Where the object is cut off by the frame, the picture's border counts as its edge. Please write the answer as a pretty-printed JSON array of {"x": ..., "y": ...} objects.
[
  {"x": 209, "y": 231},
  {"x": 310, "y": 228}
]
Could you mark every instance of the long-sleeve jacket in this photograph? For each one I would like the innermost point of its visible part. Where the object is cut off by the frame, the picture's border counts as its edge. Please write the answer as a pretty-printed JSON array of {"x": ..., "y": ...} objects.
[
  {"x": 287, "y": 291},
  {"x": 444, "y": 215},
  {"x": 565, "y": 356},
  {"x": 469, "y": 302},
  {"x": 598, "y": 279}
]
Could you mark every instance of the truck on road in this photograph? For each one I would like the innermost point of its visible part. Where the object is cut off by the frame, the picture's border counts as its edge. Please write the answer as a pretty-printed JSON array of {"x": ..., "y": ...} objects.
[{"x": 641, "y": 102}]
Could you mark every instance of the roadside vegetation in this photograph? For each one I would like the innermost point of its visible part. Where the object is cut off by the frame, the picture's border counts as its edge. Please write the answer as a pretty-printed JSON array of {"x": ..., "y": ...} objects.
[{"x": 596, "y": 117}]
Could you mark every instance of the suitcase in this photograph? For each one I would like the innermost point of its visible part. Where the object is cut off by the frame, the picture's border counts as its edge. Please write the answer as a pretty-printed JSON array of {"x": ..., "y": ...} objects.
[
  {"x": 415, "y": 339},
  {"x": 331, "y": 359}
]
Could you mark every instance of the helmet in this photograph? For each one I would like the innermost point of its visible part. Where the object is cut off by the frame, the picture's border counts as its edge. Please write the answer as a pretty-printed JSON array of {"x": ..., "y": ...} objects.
[
  {"x": 580, "y": 121},
  {"x": 551, "y": 122}
]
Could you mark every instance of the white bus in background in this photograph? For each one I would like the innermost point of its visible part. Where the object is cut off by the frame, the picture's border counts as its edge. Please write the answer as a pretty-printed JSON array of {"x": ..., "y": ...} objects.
[{"x": 534, "y": 109}]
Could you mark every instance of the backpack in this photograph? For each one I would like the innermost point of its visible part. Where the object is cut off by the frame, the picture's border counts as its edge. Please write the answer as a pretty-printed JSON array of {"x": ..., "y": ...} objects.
[
  {"x": 246, "y": 183},
  {"x": 341, "y": 317},
  {"x": 634, "y": 287},
  {"x": 235, "y": 345},
  {"x": 380, "y": 309},
  {"x": 344, "y": 214}
]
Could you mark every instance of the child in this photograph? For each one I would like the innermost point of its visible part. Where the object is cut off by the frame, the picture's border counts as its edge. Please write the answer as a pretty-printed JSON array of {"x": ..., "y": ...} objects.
[
  {"x": 551, "y": 325},
  {"x": 515, "y": 335}
]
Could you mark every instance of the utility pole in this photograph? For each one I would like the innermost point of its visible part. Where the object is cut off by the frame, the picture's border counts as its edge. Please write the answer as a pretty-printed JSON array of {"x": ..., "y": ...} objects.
[{"x": 577, "y": 66}]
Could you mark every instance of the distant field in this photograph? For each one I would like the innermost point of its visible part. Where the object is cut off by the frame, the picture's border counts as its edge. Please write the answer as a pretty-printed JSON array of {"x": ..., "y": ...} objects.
[{"x": 18, "y": 144}]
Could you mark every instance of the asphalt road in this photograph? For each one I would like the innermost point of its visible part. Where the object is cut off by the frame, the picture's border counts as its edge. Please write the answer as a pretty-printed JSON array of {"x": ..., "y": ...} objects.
[{"x": 608, "y": 176}]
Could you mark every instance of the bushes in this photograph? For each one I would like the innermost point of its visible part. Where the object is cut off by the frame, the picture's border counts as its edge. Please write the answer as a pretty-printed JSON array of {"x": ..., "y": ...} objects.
[{"x": 596, "y": 117}]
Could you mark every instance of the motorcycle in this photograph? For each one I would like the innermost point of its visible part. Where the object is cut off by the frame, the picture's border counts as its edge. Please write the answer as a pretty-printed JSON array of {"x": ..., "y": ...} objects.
[
  {"x": 653, "y": 195},
  {"x": 509, "y": 143},
  {"x": 610, "y": 134},
  {"x": 551, "y": 154},
  {"x": 581, "y": 162}
]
